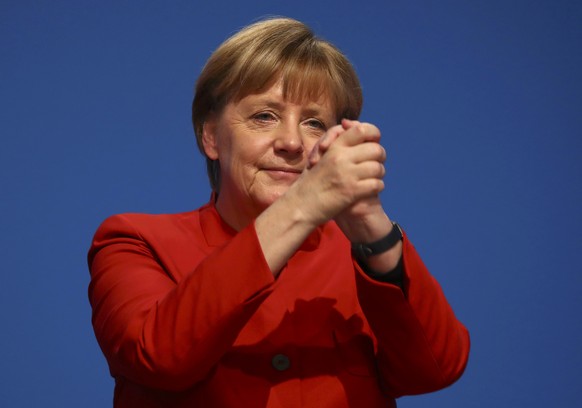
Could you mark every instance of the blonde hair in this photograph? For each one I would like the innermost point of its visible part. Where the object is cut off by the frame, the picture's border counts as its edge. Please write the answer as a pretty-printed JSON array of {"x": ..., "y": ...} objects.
[{"x": 272, "y": 49}]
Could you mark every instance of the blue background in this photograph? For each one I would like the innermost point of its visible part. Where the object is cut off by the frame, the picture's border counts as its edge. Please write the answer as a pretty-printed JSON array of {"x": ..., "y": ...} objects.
[{"x": 480, "y": 106}]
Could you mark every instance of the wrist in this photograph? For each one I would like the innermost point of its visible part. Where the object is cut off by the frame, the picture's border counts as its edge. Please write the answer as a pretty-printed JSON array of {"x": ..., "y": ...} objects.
[
  {"x": 366, "y": 227},
  {"x": 364, "y": 250},
  {"x": 381, "y": 255}
]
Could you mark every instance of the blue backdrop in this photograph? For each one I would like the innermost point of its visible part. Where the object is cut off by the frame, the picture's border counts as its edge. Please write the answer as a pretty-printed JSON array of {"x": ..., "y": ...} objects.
[{"x": 480, "y": 106}]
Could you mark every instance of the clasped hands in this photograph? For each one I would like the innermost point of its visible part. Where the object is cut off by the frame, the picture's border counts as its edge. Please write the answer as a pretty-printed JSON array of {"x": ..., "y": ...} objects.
[{"x": 346, "y": 167}]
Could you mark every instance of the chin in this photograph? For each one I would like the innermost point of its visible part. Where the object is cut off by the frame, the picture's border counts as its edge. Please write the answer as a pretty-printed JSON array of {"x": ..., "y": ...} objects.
[{"x": 265, "y": 200}]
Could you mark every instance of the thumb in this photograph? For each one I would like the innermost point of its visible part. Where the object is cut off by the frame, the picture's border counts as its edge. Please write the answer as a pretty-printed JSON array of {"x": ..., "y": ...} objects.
[{"x": 323, "y": 144}]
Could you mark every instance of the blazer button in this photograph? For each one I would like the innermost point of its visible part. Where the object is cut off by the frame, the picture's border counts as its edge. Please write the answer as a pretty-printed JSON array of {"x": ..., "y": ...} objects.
[{"x": 280, "y": 362}]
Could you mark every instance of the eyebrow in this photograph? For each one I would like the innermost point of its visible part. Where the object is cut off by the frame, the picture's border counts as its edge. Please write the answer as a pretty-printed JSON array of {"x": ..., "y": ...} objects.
[{"x": 313, "y": 108}]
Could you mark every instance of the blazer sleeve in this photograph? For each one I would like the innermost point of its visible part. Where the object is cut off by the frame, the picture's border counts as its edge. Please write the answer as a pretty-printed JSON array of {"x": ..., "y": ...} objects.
[
  {"x": 421, "y": 346},
  {"x": 165, "y": 334}
]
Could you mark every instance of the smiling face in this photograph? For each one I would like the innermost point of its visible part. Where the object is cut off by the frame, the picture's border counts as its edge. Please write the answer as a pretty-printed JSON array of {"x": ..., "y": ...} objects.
[{"x": 262, "y": 142}]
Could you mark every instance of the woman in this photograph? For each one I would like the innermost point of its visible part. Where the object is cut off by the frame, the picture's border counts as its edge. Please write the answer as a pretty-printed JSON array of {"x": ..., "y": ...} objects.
[{"x": 291, "y": 287}]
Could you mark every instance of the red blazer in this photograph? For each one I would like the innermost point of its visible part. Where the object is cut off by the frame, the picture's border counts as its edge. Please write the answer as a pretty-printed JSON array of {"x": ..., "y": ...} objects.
[{"x": 188, "y": 314}]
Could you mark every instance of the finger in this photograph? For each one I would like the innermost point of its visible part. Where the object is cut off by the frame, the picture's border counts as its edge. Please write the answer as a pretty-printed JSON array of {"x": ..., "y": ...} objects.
[
  {"x": 368, "y": 188},
  {"x": 348, "y": 123},
  {"x": 313, "y": 156},
  {"x": 369, "y": 170},
  {"x": 332, "y": 134},
  {"x": 360, "y": 133},
  {"x": 323, "y": 144},
  {"x": 367, "y": 151}
]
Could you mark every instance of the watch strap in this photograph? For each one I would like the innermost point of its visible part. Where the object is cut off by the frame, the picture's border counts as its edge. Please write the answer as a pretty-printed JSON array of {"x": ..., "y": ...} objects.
[{"x": 363, "y": 251}]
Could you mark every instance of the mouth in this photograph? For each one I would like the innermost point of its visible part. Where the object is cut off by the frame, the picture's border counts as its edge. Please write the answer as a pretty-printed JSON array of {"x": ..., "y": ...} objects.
[
  {"x": 284, "y": 169},
  {"x": 283, "y": 173}
]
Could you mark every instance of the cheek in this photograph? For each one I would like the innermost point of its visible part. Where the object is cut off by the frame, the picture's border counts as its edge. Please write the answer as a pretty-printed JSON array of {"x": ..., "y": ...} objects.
[
  {"x": 250, "y": 149},
  {"x": 241, "y": 157}
]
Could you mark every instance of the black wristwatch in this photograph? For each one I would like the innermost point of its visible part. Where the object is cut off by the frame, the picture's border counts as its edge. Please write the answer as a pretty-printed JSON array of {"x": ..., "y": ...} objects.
[{"x": 364, "y": 251}]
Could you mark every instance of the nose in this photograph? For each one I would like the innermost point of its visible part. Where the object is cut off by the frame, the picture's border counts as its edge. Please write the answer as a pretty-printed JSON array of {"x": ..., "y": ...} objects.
[{"x": 289, "y": 140}]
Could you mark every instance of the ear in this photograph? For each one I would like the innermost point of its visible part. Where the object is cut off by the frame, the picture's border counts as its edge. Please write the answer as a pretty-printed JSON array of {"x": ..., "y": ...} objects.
[{"x": 209, "y": 137}]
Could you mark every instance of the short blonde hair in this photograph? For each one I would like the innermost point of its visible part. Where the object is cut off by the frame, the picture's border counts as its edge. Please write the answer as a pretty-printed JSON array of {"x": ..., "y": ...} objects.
[{"x": 272, "y": 49}]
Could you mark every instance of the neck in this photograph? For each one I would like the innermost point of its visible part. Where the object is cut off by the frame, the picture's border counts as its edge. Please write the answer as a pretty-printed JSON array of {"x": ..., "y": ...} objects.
[{"x": 236, "y": 215}]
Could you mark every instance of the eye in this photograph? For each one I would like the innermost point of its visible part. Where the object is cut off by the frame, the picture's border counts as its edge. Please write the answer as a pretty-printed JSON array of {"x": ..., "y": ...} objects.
[
  {"x": 316, "y": 124},
  {"x": 264, "y": 117}
]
